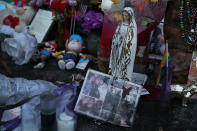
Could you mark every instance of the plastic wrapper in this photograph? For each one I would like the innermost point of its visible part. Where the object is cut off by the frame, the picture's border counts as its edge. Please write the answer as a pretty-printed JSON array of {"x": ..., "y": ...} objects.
[
  {"x": 14, "y": 90},
  {"x": 28, "y": 113},
  {"x": 6, "y": 30},
  {"x": 12, "y": 125},
  {"x": 66, "y": 97},
  {"x": 11, "y": 114},
  {"x": 31, "y": 115},
  {"x": 14, "y": 118},
  {"x": 21, "y": 46}
]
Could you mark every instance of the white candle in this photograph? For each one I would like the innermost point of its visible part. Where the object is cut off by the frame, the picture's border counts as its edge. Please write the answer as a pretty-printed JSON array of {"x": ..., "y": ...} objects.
[{"x": 65, "y": 122}]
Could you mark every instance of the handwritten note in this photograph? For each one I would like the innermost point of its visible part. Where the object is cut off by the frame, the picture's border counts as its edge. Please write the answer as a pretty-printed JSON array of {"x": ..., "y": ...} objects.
[{"x": 41, "y": 24}]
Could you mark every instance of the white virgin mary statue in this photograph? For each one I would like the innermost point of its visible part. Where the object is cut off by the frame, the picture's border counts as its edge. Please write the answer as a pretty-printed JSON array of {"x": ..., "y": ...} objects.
[{"x": 124, "y": 45}]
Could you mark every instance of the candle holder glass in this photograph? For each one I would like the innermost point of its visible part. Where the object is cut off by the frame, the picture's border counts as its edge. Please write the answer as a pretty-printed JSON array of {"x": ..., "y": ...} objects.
[{"x": 48, "y": 112}]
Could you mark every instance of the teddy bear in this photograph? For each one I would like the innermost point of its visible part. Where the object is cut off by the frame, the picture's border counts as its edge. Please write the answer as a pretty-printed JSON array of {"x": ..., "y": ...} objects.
[
  {"x": 20, "y": 16},
  {"x": 25, "y": 15},
  {"x": 67, "y": 58},
  {"x": 44, "y": 54}
]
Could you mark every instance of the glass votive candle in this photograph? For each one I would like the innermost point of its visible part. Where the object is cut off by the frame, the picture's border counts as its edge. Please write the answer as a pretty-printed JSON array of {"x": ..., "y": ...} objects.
[
  {"x": 65, "y": 122},
  {"x": 48, "y": 112}
]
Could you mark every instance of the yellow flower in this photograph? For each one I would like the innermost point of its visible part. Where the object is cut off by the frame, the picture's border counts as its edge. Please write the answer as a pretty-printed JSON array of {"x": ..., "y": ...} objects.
[
  {"x": 154, "y": 1},
  {"x": 117, "y": 16},
  {"x": 115, "y": 1}
]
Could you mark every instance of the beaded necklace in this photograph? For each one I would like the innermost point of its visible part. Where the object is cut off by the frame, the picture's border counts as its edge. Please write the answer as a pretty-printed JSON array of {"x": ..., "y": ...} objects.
[{"x": 191, "y": 38}]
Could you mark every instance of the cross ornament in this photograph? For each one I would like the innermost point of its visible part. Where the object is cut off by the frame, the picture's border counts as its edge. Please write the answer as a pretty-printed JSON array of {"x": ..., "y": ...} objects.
[{"x": 195, "y": 60}]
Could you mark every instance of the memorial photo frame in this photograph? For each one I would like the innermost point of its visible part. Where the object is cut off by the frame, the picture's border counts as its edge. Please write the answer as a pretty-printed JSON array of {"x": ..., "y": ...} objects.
[{"x": 106, "y": 99}]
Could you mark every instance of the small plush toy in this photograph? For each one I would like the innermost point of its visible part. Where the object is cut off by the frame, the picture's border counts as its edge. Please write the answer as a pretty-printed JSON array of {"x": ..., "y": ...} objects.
[
  {"x": 68, "y": 57},
  {"x": 44, "y": 54},
  {"x": 17, "y": 16},
  {"x": 25, "y": 15}
]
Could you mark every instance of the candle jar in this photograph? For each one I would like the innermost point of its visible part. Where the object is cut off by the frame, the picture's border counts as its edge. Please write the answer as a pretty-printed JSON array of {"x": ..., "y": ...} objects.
[
  {"x": 65, "y": 122},
  {"x": 48, "y": 112}
]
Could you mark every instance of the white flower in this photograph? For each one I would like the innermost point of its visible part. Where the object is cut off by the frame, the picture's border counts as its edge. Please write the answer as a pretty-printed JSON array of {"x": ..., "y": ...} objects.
[{"x": 106, "y": 5}]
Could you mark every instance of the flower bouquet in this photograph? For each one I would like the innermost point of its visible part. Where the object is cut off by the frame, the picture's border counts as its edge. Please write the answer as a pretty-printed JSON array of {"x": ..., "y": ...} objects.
[
  {"x": 59, "y": 8},
  {"x": 91, "y": 20}
]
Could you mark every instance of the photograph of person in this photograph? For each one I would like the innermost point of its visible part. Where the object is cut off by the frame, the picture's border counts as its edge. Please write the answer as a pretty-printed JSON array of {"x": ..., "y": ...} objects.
[
  {"x": 111, "y": 117},
  {"x": 117, "y": 83},
  {"x": 157, "y": 40},
  {"x": 126, "y": 111},
  {"x": 104, "y": 114},
  {"x": 126, "y": 89},
  {"x": 103, "y": 87},
  {"x": 86, "y": 104},
  {"x": 112, "y": 99},
  {"x": 124, "y": 122},
  {"x": 117, "y": 119},
  {"x": 89, "y": 83},
  {"x": 107, "y": 115},
  {"x": 132, "y": 96},
  {"x": 94, "y": 92},
  {"x": 99, "y": 87},
  {"x": 97, "y": 107}
]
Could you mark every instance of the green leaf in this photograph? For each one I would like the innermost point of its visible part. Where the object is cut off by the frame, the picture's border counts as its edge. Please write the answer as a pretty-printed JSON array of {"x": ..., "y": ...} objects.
[
  {"x": 93, "y": 1},
  {"x": 144, "y": 23}
]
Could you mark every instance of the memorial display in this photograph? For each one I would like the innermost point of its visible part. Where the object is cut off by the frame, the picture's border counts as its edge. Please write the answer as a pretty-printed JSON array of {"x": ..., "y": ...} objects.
[
  {"x": 81, "y": 65},
  {"x": 110, "y": 100}
]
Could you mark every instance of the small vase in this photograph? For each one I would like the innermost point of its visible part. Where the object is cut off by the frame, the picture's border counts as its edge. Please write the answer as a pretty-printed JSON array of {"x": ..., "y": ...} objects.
[
  {"x": 93, "y": 43},
  {"x": 60, "y": 36}
]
